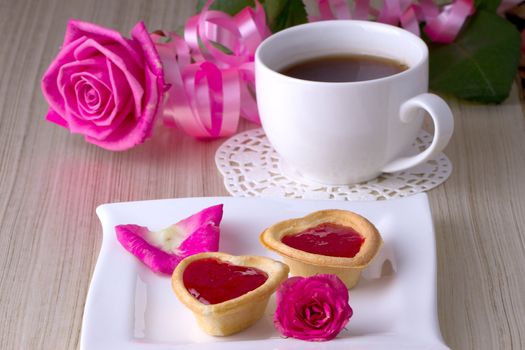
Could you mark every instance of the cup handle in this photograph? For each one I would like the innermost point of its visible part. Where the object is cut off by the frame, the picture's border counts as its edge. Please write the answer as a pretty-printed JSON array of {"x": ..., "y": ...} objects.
[{"x": 443, "y": 128}]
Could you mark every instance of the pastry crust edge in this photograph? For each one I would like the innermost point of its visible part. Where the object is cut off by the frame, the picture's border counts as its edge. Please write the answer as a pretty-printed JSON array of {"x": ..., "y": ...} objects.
[
  {"x": 277, "y": 272},
  {"x": 271, "y": 238}
]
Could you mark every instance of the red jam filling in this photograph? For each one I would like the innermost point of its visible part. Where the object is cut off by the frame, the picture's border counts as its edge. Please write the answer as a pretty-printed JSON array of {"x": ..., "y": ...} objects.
[
  {"x": 212, "y": 281},
  {"x": 327, "y": 239}
]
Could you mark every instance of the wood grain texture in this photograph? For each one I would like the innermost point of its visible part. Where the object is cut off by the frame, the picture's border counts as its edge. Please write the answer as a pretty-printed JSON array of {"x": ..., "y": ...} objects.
[
  {"x": 51, "y": 182},
  {"x": 479, "y": 216}
]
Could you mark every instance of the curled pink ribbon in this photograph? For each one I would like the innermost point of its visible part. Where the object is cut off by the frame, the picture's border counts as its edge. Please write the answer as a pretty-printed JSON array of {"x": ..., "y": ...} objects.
[
  {"x": 441, "y": 27},
  {"x": 211, "y": 71}
]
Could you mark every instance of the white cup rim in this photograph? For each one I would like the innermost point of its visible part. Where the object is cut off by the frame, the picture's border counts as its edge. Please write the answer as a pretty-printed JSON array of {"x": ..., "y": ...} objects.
[{"x": 342, "y": 23}]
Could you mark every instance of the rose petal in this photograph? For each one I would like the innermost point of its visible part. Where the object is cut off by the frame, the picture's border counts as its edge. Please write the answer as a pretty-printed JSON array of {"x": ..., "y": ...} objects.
[
  {"x": 50, "y": 78},
  {"x": 54, "y": 117},
  {"x": 120, "y": 108},
  {"x": 78, "y": 29},
  {"x": 116, "y": 54},
  {"x": 130, "y": 134},
  {"x": 95, "y": 66},
  {"x": 141, "y": 35},
  {"x": 123, "y": 97},
  {"x": 89, "y": 98},
  {"x": 117, "y": 109},
  {"x": 86, "y": 85},
  {"x": 154, "y": 258},
  {"x": 316, "y": 314},
  {"x": 69, "y": 74},
  {"x": 162, "y": 251},
  {"x": 133, "y": 132},
  {"x": 91, "y": 54}
]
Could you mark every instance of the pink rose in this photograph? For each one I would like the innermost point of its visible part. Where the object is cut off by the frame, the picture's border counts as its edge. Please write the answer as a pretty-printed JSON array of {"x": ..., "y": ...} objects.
[
  {"x": 312, "y": 308},
  {"x": 104, "y": 86}
]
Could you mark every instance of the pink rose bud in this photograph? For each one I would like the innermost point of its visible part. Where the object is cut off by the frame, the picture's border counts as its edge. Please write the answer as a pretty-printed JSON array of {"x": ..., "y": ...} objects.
[
  {"x": 312, "y": 308},
  {"x": 104, "y": 86}
]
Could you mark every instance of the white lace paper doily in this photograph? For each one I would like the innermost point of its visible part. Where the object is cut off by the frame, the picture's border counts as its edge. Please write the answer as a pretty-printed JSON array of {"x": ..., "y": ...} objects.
[{"x": 252, "y": 168}]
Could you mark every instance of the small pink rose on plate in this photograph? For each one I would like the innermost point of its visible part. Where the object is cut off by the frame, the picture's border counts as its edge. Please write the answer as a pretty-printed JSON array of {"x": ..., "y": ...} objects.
[
  {"x": 162, "y": 250},
  {"x": 312, "y": 308},
  {"x": 104, "y": 86}
]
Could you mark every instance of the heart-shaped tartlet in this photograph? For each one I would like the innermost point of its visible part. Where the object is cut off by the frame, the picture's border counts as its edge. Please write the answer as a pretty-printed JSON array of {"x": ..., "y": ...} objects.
[
  {"x": 338, "y": 242},
  {"x": 227, "y": 293}
]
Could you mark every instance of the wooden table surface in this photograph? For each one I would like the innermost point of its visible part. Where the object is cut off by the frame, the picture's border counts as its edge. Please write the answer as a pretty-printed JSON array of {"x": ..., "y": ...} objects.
[{"x": 51, "y": 182}]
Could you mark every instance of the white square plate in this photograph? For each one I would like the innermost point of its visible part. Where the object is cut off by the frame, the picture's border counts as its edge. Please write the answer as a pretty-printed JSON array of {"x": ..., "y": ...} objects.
[{"x": 129, "y": 307}]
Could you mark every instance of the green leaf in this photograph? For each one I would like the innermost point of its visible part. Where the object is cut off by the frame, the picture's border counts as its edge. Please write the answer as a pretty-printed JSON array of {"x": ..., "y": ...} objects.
[
  {"x": 231, "y": 7},
  {"x": 489, "y": 5},
  {"x": 481, "y": 64},
  {"x": 282, "y": 14}
]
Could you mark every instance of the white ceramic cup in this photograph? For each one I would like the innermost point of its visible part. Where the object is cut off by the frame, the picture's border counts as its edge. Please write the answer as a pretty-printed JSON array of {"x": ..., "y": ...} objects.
[{"x": 343, "y": 133}]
